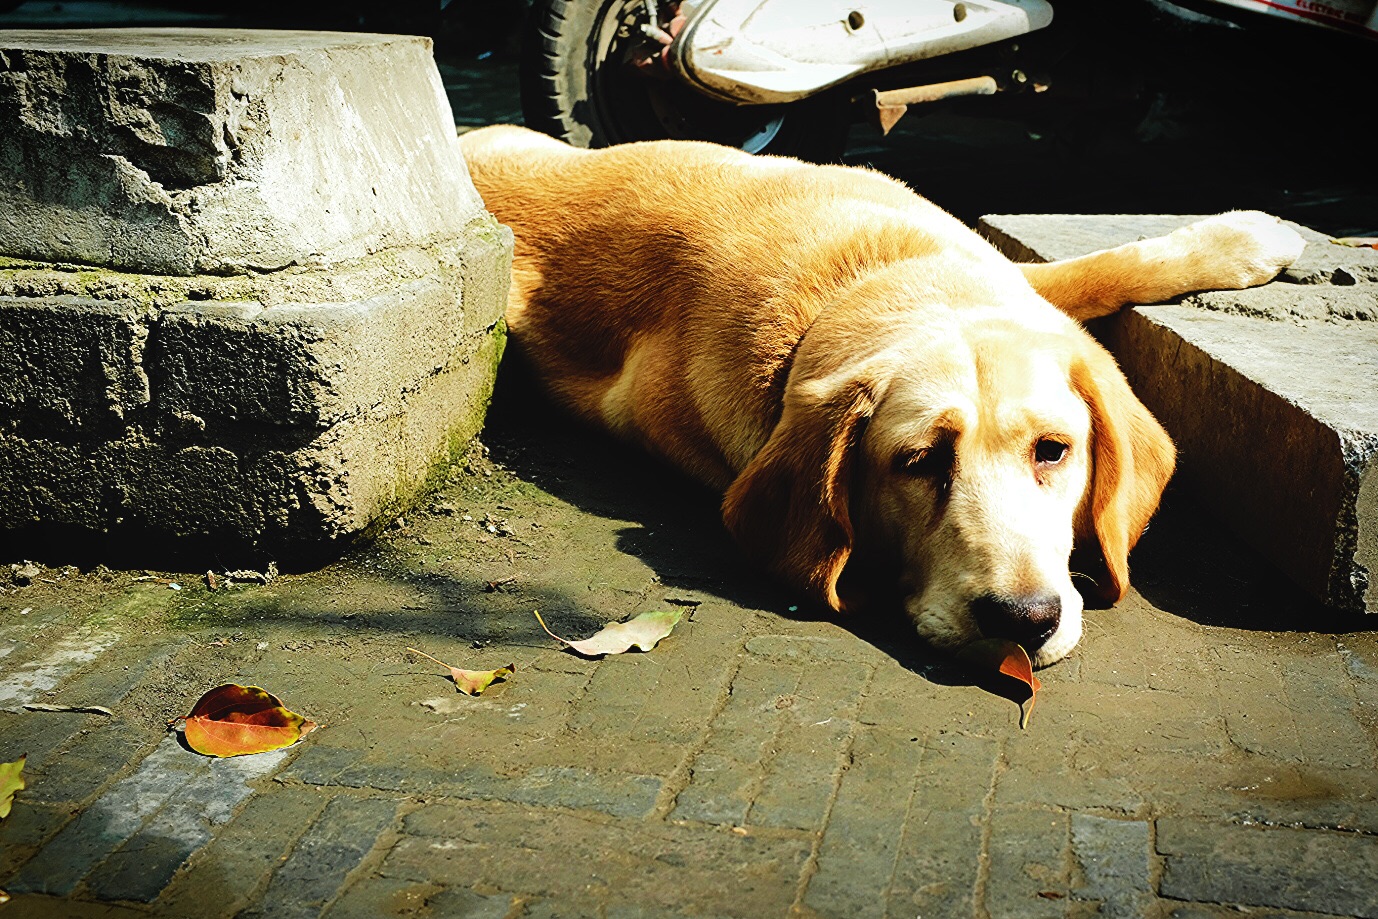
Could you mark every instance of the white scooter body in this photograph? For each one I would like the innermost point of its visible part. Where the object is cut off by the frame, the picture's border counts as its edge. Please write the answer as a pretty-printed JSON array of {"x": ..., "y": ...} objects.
[{"x": 767, "y": 51}]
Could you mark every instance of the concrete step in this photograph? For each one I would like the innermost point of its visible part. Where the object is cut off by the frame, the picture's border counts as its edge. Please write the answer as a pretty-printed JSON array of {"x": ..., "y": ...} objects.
[{"x": 248, "y": 294}]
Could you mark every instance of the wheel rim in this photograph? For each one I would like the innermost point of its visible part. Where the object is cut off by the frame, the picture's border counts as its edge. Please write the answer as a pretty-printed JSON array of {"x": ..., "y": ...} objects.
[{"x": 629, "y": 105}]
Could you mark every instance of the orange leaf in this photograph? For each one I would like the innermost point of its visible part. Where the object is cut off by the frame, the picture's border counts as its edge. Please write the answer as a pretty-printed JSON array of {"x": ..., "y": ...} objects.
[
  {"x": 1009, "y": 661},
  {"x": 472, "y": 682},
  {"x": 233, "y": 720}
]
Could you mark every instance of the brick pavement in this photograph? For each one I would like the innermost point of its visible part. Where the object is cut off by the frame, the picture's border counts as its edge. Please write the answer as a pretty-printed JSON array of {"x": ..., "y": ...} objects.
[{"x": 1209, "y": 750}]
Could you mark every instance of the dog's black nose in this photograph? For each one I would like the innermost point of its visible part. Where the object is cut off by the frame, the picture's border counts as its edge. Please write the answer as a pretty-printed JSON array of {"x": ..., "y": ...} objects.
[{"x": 1029, "y": 620}]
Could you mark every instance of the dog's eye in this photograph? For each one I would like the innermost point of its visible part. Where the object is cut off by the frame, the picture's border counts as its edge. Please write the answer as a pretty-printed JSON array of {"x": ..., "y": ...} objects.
[
  {"x": 1049, "y": 452},
  {"x": 933, "y": 462}
]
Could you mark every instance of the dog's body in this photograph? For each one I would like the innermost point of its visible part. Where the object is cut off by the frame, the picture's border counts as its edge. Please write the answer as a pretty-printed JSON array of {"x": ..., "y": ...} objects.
[{"x": 866, "y": 378}]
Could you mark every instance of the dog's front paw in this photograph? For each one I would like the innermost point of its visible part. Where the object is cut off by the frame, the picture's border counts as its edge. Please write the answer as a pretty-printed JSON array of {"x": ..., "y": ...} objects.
[{"x": 1239, "y": 249}]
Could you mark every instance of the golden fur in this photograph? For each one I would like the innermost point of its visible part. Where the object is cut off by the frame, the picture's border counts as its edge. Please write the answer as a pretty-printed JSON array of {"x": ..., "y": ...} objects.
[{"x": 874, "y": 388}]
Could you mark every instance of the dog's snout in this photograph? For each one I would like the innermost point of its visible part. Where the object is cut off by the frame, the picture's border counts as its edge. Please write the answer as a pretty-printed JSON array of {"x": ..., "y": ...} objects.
[{"x": 1029, "y": 620}]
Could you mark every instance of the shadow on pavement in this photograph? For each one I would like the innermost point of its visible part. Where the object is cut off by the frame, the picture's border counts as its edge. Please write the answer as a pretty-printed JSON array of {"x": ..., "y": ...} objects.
[{"x": 1188, "y": 565}]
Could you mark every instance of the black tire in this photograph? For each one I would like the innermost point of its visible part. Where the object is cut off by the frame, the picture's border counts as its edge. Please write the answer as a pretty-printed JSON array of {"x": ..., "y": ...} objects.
[{"x": 578, "y": 85}]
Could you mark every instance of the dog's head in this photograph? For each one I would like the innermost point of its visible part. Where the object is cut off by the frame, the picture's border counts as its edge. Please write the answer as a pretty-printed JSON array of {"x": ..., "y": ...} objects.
[{"x": 966, "y": 456}]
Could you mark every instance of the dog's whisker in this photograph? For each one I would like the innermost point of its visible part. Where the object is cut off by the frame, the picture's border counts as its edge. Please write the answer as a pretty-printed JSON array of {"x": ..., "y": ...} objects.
[{"x": 1080, "y": 574}]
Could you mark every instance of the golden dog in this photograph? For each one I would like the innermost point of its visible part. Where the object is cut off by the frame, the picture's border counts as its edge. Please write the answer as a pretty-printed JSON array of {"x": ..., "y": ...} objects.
[{"x": 882, "y": 396}]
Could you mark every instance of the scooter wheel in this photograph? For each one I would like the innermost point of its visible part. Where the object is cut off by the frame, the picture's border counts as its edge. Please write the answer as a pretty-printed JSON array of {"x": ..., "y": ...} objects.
[{"x": 592, "y": 77}]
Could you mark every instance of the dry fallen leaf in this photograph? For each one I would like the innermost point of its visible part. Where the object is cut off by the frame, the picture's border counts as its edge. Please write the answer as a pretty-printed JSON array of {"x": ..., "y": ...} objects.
[
  {"x": 999, "y": 657},
  {"x": 233, "y": 720},
  {"x": 643, "y": 632},
  {"x": 472, "y": 682},
  {"x": 11, "y": 780}
]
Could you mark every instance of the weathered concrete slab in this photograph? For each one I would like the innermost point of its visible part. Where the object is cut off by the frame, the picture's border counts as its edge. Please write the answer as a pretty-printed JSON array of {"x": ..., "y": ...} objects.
[
  {"x": 183, "y": 151},
  {"x": 248, "y": 294},
  {"x": 1271, "y": 394}
]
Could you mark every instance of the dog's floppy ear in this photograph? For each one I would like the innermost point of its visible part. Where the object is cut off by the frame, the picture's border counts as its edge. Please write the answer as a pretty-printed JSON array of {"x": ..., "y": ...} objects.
[
  {"x": 789, "y": 508},
  {"x": 1132, "y": 460}
]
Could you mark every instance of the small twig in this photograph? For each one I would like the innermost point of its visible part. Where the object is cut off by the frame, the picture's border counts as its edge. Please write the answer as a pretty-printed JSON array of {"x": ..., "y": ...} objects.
[
  {"x": 547, "y": 628},
  {"x": 436, "y": 659}
]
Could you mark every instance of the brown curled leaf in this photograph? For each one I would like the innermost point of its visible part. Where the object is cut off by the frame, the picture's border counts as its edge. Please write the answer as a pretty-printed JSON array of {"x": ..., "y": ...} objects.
[
  {"x": 643, "y": 632},
  {"x": 234, "y": 720},
  {"x": 11, "y": 780},
  {"x": 472, "y": 682},
  {"x": 1004, "y": 668}
]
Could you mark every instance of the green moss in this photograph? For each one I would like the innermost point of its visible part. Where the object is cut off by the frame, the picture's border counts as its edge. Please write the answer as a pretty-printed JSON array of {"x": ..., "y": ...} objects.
[
  {"x": 353, "y": 280},
  {"x": 459, "y": 438},
  {"x": 139, "y": 601},
  {"x": 6, "y": 262},
  {"x": 486, "y": 228}
]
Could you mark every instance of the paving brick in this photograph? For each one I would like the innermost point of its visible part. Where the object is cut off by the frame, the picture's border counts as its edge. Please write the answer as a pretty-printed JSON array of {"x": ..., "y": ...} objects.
[
  {"x": 1319, "y": 686},
  {"x": 323, "y": 857},
  {"x": 1318, "y": 870},
  {"x": 637, "y": 701},
  {"x": 109, "y": 822},
  {"x": 376, "y": 898},
  {"x": 20, "y": 627},
  {"x": 27, "y": 827},
  {"x": 857, "y": 856},
  {"x": 900, "y": 695},
  {"x": 1028, "y": 852},
  {"x": 143, "y": 866},
  {"x": 724, "y": 776},
  {"x": 86, "y": 764},
  {"x": 30, "y": 906},
  {"x": 809, "y": 649},
  {"x": 939, "y": 856},
  {"x": 522, "y": 710},
  {"x": 1058, "y": 770},
  {"x": 38, "y": 735},
  {"x": 662, "y": 868},
  {"x": 27, "y": 682},
  {"x": 566, "y": 907},
  {"x": 1216, "y": 911},
  {"x": 798, "y": 783},
  {"x": 42, "y": 734},
  {"x": 1113, "y": 858},
  {"x": 1253, "y": 789},
  {"x": 1131, "y": 720},
  {"x": 1258, "y": 717},
  {"x": 224, "y": 874},
  {"x": 720, "y": 790},
  {"x": 619, "y": 794},
  {"x": 110, "y": 681}
]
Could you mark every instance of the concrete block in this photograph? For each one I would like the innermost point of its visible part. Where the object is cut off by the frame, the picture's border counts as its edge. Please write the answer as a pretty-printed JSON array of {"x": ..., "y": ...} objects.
[
  {"x": 1271, "y": 394},
  {"x": 249, "y": 297},
  {"x": 196, "y": 151}
]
